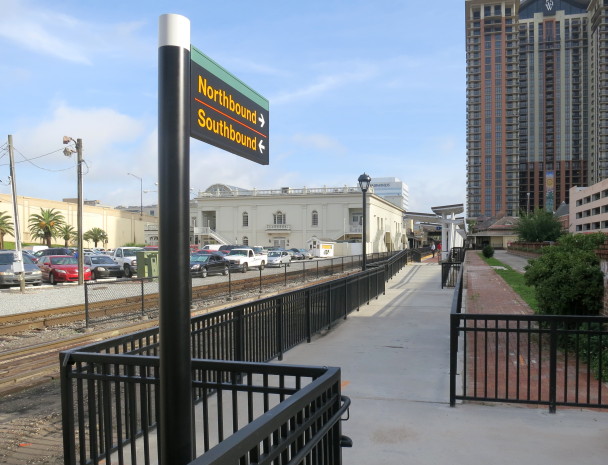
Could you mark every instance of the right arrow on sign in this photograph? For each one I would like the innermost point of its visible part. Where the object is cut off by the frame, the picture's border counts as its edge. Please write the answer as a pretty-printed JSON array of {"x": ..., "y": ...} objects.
[{"x": 262, "y": 120}]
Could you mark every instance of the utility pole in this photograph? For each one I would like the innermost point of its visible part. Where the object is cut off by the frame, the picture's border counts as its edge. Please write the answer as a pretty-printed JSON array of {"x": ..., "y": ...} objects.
[
  {"x": 17, "y": 264},
  {"x": 80, "y": 210},
  {"x": 68, "y": 152}
]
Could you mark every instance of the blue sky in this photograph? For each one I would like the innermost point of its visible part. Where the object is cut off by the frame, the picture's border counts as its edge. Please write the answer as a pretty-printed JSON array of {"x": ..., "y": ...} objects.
[{"x": 354, "y": 86}]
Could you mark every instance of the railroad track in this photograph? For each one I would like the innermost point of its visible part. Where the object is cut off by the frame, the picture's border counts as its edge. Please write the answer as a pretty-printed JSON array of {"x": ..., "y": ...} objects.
[{"x": 37, "y": 363}]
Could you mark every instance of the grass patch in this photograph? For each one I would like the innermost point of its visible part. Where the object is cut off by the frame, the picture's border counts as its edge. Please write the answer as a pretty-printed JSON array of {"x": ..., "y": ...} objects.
[{"x": 516, "y": 281}]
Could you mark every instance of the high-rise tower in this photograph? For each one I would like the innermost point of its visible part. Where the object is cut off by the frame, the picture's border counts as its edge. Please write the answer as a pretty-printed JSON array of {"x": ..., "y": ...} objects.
[
  {"x": 492, "y": 107},
  {"x": 554, "y": 102},
  {"x": 598, "y": 91}
]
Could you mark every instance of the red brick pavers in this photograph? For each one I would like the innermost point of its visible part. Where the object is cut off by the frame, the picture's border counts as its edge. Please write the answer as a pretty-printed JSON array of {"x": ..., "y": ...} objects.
[{"x": 504, "y": 364}]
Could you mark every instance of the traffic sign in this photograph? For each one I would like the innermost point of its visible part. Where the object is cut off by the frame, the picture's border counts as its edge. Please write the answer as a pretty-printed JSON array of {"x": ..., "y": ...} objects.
[{"x": 227, "y": 113}]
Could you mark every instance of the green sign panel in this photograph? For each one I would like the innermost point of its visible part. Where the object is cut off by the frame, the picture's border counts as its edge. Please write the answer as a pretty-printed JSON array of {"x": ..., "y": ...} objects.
[{"x": 227, "y": 113}]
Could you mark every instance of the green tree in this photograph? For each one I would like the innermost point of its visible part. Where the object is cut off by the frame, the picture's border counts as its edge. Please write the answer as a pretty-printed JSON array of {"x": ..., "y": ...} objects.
[
  {"x": 66, "y": 232},
  {"x": 46, "y": 224},
  {"x": 567, "y": 277},
  {"x": 539, "y": 226},
  {"x": 6, "y": 227},
  {"x": 95, "y": 235}
]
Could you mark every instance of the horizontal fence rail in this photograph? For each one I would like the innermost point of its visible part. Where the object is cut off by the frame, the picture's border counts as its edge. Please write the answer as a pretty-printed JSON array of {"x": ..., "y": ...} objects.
[
  {"x": 528, "y": 359},
  {"x": 110, "y": 389}
]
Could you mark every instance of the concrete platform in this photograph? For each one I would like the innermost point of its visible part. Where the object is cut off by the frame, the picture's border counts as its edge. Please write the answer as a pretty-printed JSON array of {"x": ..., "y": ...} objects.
[{"x": 394, "y": 355}]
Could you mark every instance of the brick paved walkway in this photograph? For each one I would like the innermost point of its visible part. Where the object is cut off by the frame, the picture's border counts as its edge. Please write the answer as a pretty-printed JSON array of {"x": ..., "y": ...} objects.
[{"x": 505, "y": 364}]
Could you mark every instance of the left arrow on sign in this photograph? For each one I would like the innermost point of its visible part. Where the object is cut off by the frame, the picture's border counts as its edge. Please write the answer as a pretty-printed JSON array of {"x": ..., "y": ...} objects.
[{"x": 261, "y": 145}]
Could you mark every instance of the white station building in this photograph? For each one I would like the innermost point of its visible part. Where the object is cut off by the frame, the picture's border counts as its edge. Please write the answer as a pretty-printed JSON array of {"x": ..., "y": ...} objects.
[{"x": 297, "y": 218}]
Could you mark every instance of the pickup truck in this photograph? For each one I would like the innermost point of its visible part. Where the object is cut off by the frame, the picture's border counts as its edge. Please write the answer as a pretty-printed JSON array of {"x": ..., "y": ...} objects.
[
  {"x": 244, "y": 258},
  {"x": 127, "y": 259}
]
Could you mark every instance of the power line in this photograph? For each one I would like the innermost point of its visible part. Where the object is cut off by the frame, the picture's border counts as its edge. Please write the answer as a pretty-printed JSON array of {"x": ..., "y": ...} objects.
[{"x": 29, "y": 160}]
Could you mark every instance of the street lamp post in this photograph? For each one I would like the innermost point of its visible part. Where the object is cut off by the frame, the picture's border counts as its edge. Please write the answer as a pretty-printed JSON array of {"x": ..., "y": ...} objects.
[
  {"x": 528, "y": 204},
  {"x": 364, "y": 181},
  {"x": 141, "y": 194}
]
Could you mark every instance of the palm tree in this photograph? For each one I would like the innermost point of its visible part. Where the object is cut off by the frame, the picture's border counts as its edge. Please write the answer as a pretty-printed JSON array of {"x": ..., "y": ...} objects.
[
  {"x": 95, "y": 235},
  {"x": 66, "y": 232},
  {"x": 6, "y": 227},
  {"x": 46, "y": 224}
]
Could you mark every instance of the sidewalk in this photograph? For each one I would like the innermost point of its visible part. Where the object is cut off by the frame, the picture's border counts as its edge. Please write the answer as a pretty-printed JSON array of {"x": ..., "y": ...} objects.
[{"x": 394, "y": 356}]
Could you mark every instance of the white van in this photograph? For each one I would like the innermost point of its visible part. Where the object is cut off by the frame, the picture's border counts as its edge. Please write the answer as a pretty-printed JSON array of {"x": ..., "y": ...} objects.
[{"x": 214, "y": 247}]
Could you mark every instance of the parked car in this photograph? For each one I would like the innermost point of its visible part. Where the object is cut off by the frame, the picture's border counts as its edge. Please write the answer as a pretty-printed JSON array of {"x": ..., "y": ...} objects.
[
  {"x": 55, "y": 251},
  {"x": 209, "y": 252},
  {"x": 32, "y": 273},
  {"x": 226, "y": 248},
  {"x": 126, "y": 257},
  {"x": 61, "y": 268},
  {"x": 202, "y": 264},
  {"x": 212, "y": 247},
  {"x": 103, "y": 266},
  {"x": 243, "y": 259},
  {"x": 30, "y": 255},
  {"x": 306, "y": 253},
  {"x": 296, "y": 254},
  {"x": 279, "y": 258}
]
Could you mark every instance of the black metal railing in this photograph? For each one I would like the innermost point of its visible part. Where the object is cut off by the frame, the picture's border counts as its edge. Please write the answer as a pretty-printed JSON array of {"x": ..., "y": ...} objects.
[
  {"x": 126, "y": 298},
  {"x": 110, "y": 389},
  {"x": 118, "y": 418},
  {"x": 528, "y": 359}
]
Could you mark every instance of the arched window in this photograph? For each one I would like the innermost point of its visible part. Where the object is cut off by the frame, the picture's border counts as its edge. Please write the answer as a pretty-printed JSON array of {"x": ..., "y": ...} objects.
[
  {"x": 245, "y": 240},
  {"x": 279, "y": 218},
  {"x": 245, "y": 219},
  {"x": 315, "y": 218}
]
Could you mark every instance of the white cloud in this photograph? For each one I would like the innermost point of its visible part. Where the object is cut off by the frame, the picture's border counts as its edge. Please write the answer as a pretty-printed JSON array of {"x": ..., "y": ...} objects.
[
  {"x": 50, "y": 33},
  {"x": 325, "y": 84}
]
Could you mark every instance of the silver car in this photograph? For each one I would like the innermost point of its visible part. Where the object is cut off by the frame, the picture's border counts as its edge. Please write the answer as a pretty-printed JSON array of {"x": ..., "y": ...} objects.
[
  {"x": 32, "y": 273},
  {"x": 279, "y": 258}
]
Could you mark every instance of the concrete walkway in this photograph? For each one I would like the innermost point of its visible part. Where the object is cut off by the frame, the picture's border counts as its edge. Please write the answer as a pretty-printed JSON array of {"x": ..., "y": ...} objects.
[{"x": 394, "y": 356}]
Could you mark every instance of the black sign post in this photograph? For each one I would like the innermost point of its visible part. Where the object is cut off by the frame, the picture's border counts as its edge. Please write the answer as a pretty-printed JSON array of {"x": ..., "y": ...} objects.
[
  {"x": 196, "y": 98},
  {"x": 176, "y": 431}
]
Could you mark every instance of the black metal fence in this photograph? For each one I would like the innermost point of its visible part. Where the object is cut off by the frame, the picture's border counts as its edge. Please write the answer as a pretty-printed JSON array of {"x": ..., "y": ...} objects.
[
  {"x": 528, "y": 359},
  {"x": 110, "y": 390},
  {"x": 136, "y": 297}
]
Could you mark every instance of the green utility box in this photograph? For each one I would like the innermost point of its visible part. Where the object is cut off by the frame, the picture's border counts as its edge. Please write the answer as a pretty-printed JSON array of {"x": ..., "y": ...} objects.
[{"x": 147, "y": 264}]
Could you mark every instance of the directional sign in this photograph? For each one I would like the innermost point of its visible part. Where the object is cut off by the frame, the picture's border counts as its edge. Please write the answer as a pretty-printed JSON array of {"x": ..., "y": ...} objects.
[{"x": 227, "y": 113}]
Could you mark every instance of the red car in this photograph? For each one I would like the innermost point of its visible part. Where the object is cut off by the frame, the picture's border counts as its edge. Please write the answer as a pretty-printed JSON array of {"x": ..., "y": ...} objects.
[{"x": 61, "y": 268}]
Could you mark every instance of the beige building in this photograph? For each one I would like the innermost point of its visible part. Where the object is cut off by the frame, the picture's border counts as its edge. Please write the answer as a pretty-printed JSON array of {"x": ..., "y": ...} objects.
[
  {"x": 589, "y": 208},
  {"x": 121, "y": 227},
  {"x": 291, "y": 217}
]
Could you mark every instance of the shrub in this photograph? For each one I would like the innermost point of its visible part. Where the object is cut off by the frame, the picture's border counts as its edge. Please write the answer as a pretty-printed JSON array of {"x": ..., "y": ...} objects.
[
  {"x": 488, "y": 251},
  {"x": 567, "y": 276}
]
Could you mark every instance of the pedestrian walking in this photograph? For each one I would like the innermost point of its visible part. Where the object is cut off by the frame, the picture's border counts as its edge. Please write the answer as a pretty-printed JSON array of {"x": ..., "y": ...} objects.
[{"x": 433, "y": 249}]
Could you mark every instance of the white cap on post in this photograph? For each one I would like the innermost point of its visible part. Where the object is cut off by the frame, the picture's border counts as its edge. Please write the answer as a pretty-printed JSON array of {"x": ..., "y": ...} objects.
[{"x": 174, "y": 30}]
